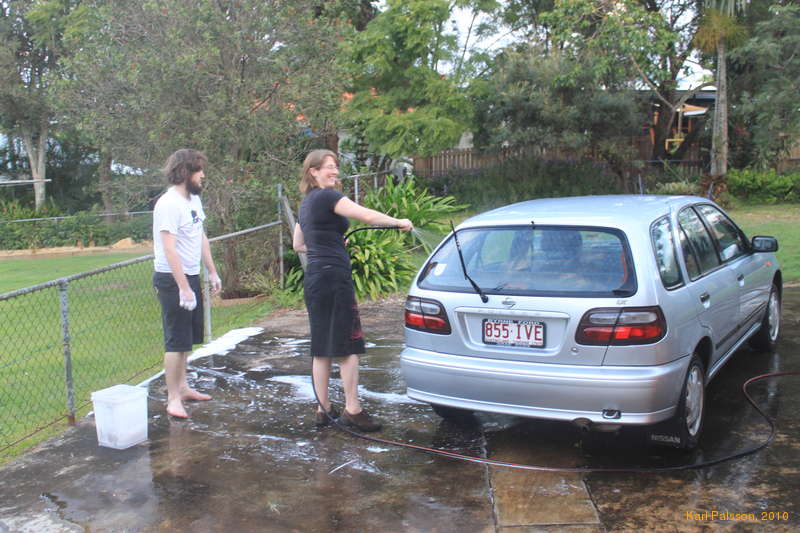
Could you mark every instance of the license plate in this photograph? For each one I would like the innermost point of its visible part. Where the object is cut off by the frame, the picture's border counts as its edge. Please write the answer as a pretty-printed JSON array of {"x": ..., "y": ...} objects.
[{"x": 513, "y": 332}]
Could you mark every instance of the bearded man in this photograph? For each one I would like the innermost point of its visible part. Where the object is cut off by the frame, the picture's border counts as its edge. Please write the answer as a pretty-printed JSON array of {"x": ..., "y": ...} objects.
[{"x": 179, "y": 244}]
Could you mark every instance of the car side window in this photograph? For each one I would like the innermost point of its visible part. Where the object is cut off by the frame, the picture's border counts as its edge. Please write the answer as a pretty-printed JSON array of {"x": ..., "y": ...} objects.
[
  {"x": 664, "y": 248},
  {"x": 689, "y": 257},
  {"x": 699, "y": 240},
  {"x": 730, "y": 240}
]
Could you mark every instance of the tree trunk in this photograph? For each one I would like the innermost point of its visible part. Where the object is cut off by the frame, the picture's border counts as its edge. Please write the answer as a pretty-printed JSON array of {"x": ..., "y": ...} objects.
[
  {"x": 104, "y": 176},
  {"x": 36, "y": 147},
  {"x": 719, "y": 139},
  {"x": 662, "y": 129}
]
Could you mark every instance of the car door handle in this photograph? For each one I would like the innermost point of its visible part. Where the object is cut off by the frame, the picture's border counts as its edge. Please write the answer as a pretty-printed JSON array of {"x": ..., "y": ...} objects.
[{"x": 705, "y": 297}]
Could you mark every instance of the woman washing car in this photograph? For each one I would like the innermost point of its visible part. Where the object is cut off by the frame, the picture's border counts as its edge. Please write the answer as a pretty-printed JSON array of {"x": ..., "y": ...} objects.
[{"x": 328, "y": 287}]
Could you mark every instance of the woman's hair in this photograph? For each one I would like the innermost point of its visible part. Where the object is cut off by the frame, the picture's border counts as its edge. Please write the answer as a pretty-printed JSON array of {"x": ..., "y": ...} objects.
[
  {"x": 314, "y": 160},
  {"x": 182, "y": 164}
]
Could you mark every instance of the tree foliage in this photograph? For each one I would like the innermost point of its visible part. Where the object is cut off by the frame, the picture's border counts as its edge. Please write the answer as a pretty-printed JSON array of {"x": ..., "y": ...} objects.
[
  {"x": 553, "y": 101},
  {"x": 626, "y": 44},
  {"x": 719, "y": 31},
  {"x": 768, "y": 67},
  {"x": 250, "y": 83},
  {"x": 402, "y": 102},
  {"x": 31, "y": 46}
]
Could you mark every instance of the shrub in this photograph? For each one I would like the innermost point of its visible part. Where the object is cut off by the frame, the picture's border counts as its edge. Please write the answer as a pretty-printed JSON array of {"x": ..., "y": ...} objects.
[
  {"x": 381, "y": 262},
  {"x": 764, "y": 186},
  {"x": 406, "y": 199},
  {"x": 84, "y": 228}
]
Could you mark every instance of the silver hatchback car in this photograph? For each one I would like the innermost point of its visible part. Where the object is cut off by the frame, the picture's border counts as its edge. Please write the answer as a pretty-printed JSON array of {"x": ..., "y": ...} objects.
[{"x": 600, "y": 310}]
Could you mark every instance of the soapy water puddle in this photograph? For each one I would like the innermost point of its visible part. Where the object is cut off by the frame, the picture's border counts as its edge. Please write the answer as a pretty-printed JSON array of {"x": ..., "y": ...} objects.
[
  {"x": 257, "y": 446},
  {"x": 252, "y": 459},
  {"x": 270, "y": 377}
]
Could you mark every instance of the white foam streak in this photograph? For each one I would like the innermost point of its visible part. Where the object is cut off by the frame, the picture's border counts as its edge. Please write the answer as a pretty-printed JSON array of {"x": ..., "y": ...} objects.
[
  {"x": 303, "y": 390},
  {"x": 219, "y": 346}
]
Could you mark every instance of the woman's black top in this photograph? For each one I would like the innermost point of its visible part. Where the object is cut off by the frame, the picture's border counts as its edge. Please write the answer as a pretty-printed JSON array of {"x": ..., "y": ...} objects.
[{"x": 323, "y": 230}]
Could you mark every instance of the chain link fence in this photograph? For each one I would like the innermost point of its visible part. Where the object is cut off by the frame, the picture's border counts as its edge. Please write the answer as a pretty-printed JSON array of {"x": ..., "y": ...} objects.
[
  {"x": 357, "y": 186},
  {"x": 62, "y": 340}
]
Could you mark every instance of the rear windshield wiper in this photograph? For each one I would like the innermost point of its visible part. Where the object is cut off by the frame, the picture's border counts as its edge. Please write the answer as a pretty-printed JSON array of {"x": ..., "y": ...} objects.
[{"x": 484, "y": 298}]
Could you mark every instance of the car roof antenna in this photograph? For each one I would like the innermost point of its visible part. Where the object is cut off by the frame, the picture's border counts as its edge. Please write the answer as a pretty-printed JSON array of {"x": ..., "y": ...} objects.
[{"x": 484, "y": 298}]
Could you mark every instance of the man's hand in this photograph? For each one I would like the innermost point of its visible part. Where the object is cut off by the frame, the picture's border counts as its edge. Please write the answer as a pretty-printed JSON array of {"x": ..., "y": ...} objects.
[
  {"x": 216, "y": 283},
  {"x": 187, "y": 299}
]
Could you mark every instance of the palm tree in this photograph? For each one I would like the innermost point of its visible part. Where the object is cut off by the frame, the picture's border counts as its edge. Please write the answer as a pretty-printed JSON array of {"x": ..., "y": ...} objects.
[{"x": 719, "y": 30}]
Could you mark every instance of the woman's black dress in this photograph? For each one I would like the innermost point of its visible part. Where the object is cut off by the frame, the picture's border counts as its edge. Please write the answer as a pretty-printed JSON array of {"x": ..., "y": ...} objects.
[{"x": 328, "y": 287}]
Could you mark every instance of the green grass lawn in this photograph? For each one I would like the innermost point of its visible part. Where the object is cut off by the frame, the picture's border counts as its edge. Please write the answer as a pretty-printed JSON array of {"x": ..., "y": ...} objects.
[
  {"x": 16, "y": 273},
  {"x": 115, "y": 337},
  {"x": 781, "y": 221}
]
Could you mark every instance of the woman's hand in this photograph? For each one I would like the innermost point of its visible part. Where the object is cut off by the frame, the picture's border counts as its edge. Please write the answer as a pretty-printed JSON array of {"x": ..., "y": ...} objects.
[{"x": 405, "y": 224}]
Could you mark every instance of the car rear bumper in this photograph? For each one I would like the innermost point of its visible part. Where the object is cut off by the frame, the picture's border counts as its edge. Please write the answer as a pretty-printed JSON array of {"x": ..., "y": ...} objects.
[{"x": 638, "y": 394}]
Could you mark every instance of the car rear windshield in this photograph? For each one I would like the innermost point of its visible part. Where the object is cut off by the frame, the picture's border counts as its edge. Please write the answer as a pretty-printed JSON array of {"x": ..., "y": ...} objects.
[{"x": 541, "y": 261}]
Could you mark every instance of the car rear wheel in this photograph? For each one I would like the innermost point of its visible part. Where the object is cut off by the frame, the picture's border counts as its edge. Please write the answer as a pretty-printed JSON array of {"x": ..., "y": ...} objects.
[
  {"x": 766, "y": 338},
  {"x": 691, "y": 409},
  {"x": 451, "y": 413}
]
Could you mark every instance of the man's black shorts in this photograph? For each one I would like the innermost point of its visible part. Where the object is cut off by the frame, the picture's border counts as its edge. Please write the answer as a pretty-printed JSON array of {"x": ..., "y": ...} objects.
[{"x": 182, "y": 328}]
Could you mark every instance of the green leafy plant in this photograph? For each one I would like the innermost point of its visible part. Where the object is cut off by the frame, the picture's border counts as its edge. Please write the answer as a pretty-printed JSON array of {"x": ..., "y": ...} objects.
[
  {"x": 381, "y": 262},
  {"x": 764, "y": 186},
  {"x": 407, "y": 199},
  {"x": 83, "y": 228}
]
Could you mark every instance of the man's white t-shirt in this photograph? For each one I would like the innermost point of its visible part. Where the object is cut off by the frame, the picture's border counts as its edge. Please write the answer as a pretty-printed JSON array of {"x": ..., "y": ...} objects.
[{"x": 184, "y": 219}]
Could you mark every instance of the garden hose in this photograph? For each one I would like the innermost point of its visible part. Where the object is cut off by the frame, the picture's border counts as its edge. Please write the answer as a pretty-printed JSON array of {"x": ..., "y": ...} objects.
[
  {"x": 579, "y": 469},
  {"x": 362, "y": 228}
]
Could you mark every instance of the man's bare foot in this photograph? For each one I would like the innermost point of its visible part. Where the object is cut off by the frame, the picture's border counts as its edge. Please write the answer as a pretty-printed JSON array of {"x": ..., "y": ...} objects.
[
  {"x": 194, "y": 396},
  {"x": 175, "y": 408}
]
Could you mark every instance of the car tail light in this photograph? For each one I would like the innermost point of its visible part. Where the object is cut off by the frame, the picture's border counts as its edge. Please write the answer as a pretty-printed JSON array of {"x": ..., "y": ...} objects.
[
  {"x": 623, "y": 326},
  {"x": 426, "y": 315}
]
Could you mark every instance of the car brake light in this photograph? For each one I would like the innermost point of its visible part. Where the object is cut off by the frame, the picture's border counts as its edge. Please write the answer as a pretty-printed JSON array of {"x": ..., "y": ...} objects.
[
  {"x": 621, "y": 326},
  {"x": 426, "y": 315}
]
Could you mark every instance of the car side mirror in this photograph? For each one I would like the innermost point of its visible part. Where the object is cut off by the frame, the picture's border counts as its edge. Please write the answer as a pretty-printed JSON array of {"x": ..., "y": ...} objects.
[{"x": 762, "y": 243}]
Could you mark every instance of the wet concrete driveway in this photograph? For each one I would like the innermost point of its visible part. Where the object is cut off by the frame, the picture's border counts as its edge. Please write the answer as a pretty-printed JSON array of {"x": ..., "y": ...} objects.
[{"x": 251, "y": 461}]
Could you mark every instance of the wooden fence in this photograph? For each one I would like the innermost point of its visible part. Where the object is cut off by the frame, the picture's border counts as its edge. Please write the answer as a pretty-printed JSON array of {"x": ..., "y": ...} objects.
[
  {"x": 472, "y": 160},
  {"x": 469, "y": 159}
]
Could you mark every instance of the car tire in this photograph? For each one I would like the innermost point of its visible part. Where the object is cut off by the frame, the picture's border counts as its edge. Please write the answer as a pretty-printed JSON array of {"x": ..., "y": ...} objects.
[
  {"x": 451, "y": 413},
  {"x": 690, "y": 416},
  {"x": 766, "y": 338}
]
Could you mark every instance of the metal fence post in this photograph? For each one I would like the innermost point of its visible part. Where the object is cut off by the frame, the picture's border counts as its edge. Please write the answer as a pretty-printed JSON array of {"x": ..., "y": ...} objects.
[
  {"x": 287, "y": 211},
  {"x": 207, "y": 306},
  {"x": 355, "y": 188},
  {"x": 280, "y": 238},
  {"x": 63, "y": 285}
]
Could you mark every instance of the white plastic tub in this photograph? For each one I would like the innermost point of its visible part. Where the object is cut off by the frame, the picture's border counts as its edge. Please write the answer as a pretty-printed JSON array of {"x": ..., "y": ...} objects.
[{"x": 120, "y": 415}]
